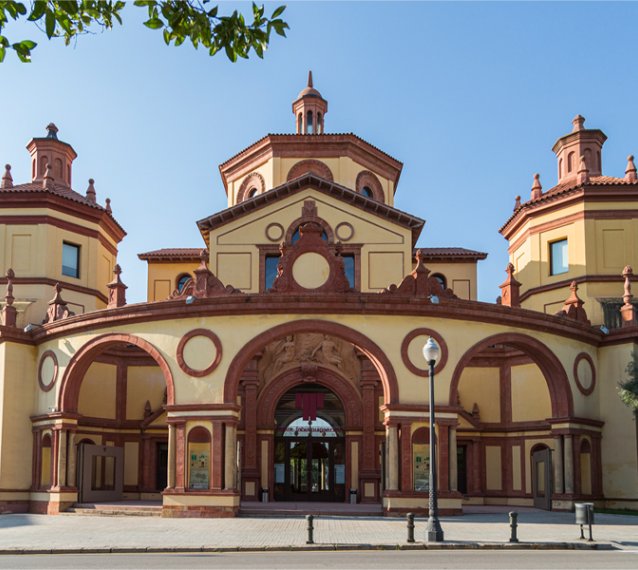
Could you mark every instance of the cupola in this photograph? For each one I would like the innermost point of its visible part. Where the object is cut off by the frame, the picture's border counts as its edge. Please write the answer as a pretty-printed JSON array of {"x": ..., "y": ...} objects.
[
  {"x": 51, "y": 151},
  {"x": 580, "y": 145},
  {"x": 309, "y": 109}
]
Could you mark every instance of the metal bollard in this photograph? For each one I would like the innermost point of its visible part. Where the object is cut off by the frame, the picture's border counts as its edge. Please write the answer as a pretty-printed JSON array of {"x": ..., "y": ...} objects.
[
  {"x": 410, "y": 517},
  {"x": 589, "y": 509},
  {"x": 311, "y": 529},
  {"x": 513, "y": 526}
]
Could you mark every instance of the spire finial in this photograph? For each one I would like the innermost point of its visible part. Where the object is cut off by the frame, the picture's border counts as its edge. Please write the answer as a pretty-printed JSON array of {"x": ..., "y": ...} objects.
[
  {"x": 517, "y": 203},
  {"x": 52, "y": 131},
  {"x": 117, "y": 290},
  {"x": 630, "y": 171},
  {"x": 537, "y": 189},
  {"x": 582, "y": 176},
  {"x": 107, "y": 206},
  {"x": 47, "y": 181},
  {"x": 9, "y": 313},
  {"x": 90, "y": 191},
  {"x": 310, "y": 79},
  {"x": 578, "y": 123},
  {"x": 7, "y": 179}
]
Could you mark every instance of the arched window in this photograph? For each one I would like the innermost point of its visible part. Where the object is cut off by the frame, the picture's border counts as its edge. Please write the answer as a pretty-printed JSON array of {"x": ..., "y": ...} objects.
[
  {"x": 297, "y": 234},
  {"x": 252, "y": 192},
  {"x": 300, "y": 123},
  {"x": 570, "y": 162},
  {"x": 309, "y": 122},
  {"x": 181, "y": 281},
  {"x": 367, "y": 192},
  {"x": 421, "y": 459},
  {"x": 319, "y": 124},
  {"x": 198, "y": 458},
  {"x": 560, "y": 168},
  {"x": 441, "y": 279}
]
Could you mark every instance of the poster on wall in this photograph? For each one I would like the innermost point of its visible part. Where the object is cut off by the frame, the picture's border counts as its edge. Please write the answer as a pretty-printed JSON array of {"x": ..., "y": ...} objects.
[
  {"x": 421, "y": 470},
  {"x": 199, "y": 470}
]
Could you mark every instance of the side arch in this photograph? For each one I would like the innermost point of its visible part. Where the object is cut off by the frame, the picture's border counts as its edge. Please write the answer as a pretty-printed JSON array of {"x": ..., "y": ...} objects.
[
  {"x": 371, "y": 350},
  {"x": 553, "y": 371},
  {"x": 83, "y": 358}
]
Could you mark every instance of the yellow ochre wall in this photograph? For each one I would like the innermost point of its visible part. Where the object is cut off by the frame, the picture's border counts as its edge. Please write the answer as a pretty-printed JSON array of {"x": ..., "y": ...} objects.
[
  {"x": 163, "y": 276},
  {"x": 461, "y": 277}
]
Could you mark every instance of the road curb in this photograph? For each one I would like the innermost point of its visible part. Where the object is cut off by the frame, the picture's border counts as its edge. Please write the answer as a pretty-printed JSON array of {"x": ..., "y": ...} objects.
[{"x": 319, "y": 548}]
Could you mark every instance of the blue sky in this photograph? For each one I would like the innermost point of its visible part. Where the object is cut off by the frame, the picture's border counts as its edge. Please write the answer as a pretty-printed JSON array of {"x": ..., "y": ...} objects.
[{"x": 470, "y": 96}]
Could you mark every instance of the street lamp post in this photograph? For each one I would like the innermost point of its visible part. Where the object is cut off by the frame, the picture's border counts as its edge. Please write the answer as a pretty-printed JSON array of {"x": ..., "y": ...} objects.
[{"x": 434, "y": 532}]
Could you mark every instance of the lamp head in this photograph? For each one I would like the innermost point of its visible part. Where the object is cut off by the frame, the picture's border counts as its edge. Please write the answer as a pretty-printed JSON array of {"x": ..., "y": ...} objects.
[{"x": 431, "y": 351}]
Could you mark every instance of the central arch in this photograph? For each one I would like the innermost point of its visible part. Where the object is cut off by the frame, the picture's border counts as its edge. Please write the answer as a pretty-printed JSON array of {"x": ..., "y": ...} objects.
[{"x": 371, "y": 350}]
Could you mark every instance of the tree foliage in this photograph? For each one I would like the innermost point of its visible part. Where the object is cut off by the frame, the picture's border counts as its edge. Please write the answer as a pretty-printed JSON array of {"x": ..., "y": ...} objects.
[
  {"x": 179, "y": 21},
  {"x": 628, "y": 389}
]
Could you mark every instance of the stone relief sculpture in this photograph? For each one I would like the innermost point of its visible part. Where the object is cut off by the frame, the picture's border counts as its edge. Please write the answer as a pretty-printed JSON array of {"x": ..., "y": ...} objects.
[{"x": 303, "y": 348}]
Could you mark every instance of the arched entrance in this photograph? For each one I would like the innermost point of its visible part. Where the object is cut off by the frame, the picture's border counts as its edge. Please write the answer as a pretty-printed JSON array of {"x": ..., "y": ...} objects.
[{"x": 310, "y": 454}]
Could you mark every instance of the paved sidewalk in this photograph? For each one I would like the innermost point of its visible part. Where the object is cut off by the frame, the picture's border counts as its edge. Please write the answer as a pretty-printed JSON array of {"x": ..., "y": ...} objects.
[{"x": 64, "y": 533}]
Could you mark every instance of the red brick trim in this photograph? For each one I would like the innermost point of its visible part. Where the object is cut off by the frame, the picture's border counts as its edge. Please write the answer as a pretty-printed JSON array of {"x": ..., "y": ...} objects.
[
  {"x": 45, "y": 355},
  {"x": 274, "y": 232},
  {"x": 367, "y": 178},
  {"x": 83, "y": 358},
  {"x": 254, "y": 180},
  {"x": 182, "y": 344},
  {"x": 350, "y": 398},
  {"x": 564, "y": 283},
  {"x": 424, "y": 372},
  {"x": 544, "y": 358},
  {"x": 314, "y": 166},
  {"x": 65, "y": 285},
  {"x": 344, "y": 231},
  {"x": 378, "y": 358},
  {"x": 582, "y": 389}
]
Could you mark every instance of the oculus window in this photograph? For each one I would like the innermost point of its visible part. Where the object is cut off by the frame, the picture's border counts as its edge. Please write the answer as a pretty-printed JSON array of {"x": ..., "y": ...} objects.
[
  {"x": 70, "y": 259},
  {"x": 558, "y": 259}
]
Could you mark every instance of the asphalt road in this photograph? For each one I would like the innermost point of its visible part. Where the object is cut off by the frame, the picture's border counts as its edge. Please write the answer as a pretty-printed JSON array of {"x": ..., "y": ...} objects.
[{"x": 395, "y": 560}]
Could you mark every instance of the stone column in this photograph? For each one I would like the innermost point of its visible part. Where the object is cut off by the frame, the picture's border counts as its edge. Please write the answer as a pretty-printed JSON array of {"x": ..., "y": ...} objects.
[
  {"x": 72, "y": 461},
  {"x": 406, "y": 457},
  {"x": 62, "y": 457},
  {"x": 558, "y": 465},
  {"x": 180, "y": 456},
  {"x": 230, "y": 457},
  {"x": 170, "y": 477},
  {"x": 217, "y": 458},
  {"x": 569, "y": 464},
  {"x": 454, "y": 478},
  {"x": 392, "y": 457}
]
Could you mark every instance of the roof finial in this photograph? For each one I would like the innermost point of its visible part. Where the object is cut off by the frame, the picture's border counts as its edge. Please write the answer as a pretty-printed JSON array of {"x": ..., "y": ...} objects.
[
  {"x": 9, "y": 312},
  {"x": 47, "y": 181},
  {"x": 630, "y": 171},
  {"x": 107, "y": 206},
  {"x": 52, "y": 131},
  {"x": 7, "y": 179},
  {"x": 582, "y": 176},
  {"x": 537, "y": 189},
  {"x": 117, "y": 290},
  {"x": 517, "y": 203},
  {"x": 310, "y": 79},
  {"x": 578, "y": 123},
  {"x": 90, "y": 191}
]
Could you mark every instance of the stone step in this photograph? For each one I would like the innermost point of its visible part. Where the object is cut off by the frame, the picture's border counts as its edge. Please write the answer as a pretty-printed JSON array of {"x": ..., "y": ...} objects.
[{"x": 114, "y": 509}]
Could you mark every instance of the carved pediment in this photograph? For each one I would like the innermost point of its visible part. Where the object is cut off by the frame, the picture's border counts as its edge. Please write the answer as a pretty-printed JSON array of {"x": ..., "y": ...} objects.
[
  {"x": 205, "y": 283},
  {"x": 311, "y": 264},
  {"x": 419, "y": 283}
]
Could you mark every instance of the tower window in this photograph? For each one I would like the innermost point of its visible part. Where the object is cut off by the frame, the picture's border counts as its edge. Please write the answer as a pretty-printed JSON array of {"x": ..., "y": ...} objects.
[
  {"x": 252, "y": 192},
  {"x": 367, "y": 192},
  {"x": 348, "y": 267},
  {"x": 181, "y": 282},
  {"x": 70, "y": 259},
  {"x": 558, "y": 259},
  {"x": 309, "y": 122}
]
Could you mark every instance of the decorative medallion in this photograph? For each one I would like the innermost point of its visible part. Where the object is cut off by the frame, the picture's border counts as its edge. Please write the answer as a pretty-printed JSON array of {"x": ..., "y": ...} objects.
[
  {"x": 344, "y": 231},
  {"x": 412, "y": 351},
  {"x": 48, "y": 370},
  {"x": 199, "y": 352},
  {"x": 584, "y": 373},
  {"x": 274, "y": 231}
]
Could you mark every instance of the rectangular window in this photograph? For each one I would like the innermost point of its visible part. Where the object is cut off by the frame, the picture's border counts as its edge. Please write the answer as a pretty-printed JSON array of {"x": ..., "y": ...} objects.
[
  {"x": 348, "y": 266},
  {"x": 70, "y": 259},
  {"x": 272, "y": 261},
  {"x": 558, "y": 257}
]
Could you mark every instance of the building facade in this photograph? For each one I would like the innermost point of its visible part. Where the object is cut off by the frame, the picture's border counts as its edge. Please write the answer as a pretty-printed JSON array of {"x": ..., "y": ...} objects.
[{"x": 282, "y": 360}]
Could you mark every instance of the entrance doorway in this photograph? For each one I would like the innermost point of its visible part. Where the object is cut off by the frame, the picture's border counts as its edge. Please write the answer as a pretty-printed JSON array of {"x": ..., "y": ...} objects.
[{"x": 310, "y": 458}]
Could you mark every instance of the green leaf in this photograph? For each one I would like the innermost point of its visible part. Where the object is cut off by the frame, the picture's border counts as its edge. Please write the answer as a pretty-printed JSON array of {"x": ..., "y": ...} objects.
[
  {"x": 38, "y": 11},
  {"x": 154, "y": 23},
  {"x": 278, "y": 12},
  {"x": 49, "y": 24},
  {"x": 230, "y": 53}
]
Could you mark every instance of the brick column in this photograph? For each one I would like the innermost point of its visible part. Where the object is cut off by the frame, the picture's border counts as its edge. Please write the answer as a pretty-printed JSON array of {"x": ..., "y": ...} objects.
[
  {"x": 392, "y": 457},
  {"x": 569, "y": 464},
  {"x": 217, "y": 458},
  {"x": 55, "y": 459},
  {"x": 406, "y": 457},
  {"x": 557, "y": 458},
  {"x": 62, "y": 458},
  {"x": 170, "y": 470},
  {"x": 454, "y": 477},
  {"x": 443, "y": 447},
  {"x": 230, "y": 456},
  {"x": 250, "y": 468},
  {"x": 72, "y": 460}
]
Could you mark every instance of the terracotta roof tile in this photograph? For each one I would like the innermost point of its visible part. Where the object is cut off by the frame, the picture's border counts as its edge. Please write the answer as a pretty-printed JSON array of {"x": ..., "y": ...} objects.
[
  {"x": 58, "y": 190},
  {"x": 432, "y": 252},
  {"x": 173, "y": 254}
]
